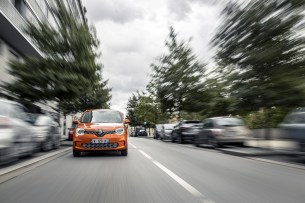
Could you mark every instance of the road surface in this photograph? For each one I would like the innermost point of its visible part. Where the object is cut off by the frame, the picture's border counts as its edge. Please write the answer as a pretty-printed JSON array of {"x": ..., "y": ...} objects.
[{"x": 156, "y": 171}]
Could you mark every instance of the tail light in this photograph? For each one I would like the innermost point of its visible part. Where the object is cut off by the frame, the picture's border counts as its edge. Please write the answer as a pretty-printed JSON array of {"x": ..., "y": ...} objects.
[{"x": 4, "y": 123}]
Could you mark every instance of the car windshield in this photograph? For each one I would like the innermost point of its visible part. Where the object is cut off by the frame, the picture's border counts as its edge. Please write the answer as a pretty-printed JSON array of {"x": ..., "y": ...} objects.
[
  {"x": 295, "y": 118},
  {"x": 169, "y": 126},
  {"x": 229, "y": 122},
  {"x": 42, "y": 120},
  {"x": 106, "y": 117},
  {"x": 158, "y": 127}
]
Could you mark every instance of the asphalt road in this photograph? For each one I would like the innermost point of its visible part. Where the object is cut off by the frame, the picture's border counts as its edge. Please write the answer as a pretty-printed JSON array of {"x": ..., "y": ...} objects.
[{"x": 155, "y": 171}]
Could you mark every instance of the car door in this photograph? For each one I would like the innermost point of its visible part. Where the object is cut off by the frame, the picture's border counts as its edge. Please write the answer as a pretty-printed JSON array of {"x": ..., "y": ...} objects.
[
  {"x": 23, "y": 133},
  {"x": 207, "y": 130}
]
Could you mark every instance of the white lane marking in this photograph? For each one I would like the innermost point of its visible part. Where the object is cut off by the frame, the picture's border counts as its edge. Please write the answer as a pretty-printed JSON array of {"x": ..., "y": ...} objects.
[
  {"x": 133, "y": 145},
  {"x": 179, "y": 180},
  {"x": 146, "y": 155}
]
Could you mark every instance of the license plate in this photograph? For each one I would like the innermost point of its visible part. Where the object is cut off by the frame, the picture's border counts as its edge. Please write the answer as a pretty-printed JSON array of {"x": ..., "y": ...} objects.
[{"x": 100, "y": 141}]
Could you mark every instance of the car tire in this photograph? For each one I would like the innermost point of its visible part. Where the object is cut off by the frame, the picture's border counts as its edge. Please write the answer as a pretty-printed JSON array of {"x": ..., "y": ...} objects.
[
  {"x": 76, "y": 153},
  {"x": 46, "y": 146},
  {"x": 57, "y": 144},
  {"x": 180, "y": 139},
  {"x": 213, "y": 142},
  {"x": 124, "y": 152}
]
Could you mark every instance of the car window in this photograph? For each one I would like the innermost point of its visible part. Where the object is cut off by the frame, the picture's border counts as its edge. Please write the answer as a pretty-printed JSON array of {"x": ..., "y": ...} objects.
[
  {"x": 208, "y": 124},
  {"x": 229, "y": 122},
  {"x": 106, "y": 117},
  {"x": 86, "y": 118},
  {"x": 295, "y": 118},
  {"x": 43, "y": 121},
  {"x": 169, "y": 126}
]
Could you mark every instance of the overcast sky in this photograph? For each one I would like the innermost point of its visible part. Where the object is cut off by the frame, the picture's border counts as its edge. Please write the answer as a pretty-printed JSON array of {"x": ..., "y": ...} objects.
[{"x": 132, "y": 35}]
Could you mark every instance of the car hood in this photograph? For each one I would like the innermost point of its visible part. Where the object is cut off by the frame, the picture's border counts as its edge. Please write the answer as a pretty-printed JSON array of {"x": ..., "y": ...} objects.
[{"x": 103, "y": 126}]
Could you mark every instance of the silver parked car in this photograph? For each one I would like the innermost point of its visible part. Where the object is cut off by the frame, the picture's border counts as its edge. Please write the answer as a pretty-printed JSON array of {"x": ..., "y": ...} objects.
[
  {"x": 15, "y": 132},
  {"x": 220, "y": 131},
  {"x": 166, "y": 131},
  {"x": 45, "y": 132}
]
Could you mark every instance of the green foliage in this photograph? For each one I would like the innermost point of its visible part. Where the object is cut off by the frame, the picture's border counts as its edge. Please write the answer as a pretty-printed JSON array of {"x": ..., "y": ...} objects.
[
  {"x": 261, "y": 53},
  {"x": 176, "y": 76},
  {"x": 266, "y": 118},
  {"x": 67, "y": 71},
  {"x": 143, "y": 108},
  {"x": 98, "y": 98}
]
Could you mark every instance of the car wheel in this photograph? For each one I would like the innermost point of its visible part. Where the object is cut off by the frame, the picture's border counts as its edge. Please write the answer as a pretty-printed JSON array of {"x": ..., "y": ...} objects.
[
  {"x": 76, "y": 153},
  {"x": 47, "y": 145},
  {"x": 213, "y": 142},
  {"x": 124, "y": 152},
  {"x": 56, "y": 144},
  {"x": 180, "y": 139},
  {"x": 195, "y": 142}
]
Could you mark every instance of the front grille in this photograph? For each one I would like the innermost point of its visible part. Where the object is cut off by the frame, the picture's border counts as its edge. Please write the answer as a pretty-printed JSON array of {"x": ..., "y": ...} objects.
[
  {"x": 100, "y": 145},
  {"x": 96, "y": 132}
]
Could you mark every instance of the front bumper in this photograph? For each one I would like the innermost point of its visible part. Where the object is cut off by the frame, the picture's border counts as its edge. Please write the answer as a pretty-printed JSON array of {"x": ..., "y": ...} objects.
[{"x": 83, "y": 143}]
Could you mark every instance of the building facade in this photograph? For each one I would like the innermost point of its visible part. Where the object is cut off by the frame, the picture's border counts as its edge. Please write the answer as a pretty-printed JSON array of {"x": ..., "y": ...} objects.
[{"x": 15, "y": 44}]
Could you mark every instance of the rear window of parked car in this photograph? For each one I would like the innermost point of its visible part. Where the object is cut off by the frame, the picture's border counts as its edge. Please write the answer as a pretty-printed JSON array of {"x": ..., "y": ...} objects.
[{"x": 229, "y": 122}]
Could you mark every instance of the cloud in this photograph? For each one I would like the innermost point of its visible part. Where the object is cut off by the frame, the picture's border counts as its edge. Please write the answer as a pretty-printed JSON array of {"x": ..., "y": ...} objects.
[
  {"x": 120, "y": 11},
  {"x": 132, "y": 35},
  {"x": 180, "y": 9}
]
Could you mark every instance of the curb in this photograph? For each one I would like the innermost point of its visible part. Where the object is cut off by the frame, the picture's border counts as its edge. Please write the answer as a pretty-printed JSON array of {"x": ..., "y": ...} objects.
[{"x": 26, "y": 164}]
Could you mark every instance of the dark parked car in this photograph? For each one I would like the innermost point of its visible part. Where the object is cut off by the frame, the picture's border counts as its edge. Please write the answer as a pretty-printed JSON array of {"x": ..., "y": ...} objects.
[
  {"x": 157, "y": 131},
  {"x": 182, "y": 132},
  {"x": 219, "y": 131},
  {"x": 293, "y": 127},
  {"x": 46, "y": 132},
  {"x": 140, "y": 131}
]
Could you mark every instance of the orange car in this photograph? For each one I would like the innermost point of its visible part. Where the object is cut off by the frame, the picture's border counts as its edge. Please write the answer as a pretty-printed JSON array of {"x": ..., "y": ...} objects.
[{"x": 100, "y": 130}]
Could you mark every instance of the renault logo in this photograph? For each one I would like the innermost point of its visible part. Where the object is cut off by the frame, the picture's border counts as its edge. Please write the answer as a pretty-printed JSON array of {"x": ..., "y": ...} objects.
[{"x": 99, "y": 132}]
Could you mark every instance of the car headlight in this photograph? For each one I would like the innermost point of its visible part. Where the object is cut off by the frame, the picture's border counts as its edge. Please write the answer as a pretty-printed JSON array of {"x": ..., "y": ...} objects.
[
  {"x": 119, "y": 131},
  {"x": 80, "y": 131}
]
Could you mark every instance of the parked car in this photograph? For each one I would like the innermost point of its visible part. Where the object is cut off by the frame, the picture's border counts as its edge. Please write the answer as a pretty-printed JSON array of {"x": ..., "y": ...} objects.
[
  {"x": 71, "y": 130},
  {"x": 140, "y": 131},
  {"x": 131, "y": 134},
  {"x": 101, "y": 130},
  {"x": 157, "y": 130},
  {"x": 220, "y": 131},
  {"x": 45, "y": 132},
  {"x": 293, "y": 127},
  {"x": 166, "y": 131},
  {"x": 181, "y": 131},
  {"x": 15, "y": 132}
]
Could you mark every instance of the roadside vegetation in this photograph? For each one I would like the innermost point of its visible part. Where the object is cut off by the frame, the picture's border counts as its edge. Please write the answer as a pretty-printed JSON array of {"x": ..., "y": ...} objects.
[{"x": 259, "y": 71}]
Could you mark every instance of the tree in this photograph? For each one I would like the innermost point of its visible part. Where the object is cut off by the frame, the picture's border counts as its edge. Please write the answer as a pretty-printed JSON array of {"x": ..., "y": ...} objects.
[
  {"x": 67, "y": 70},
  {"x": 260, "y": 52},
  {"x": 143, "y": 108},
  {"x": 98, "y": 98},
  {"x": 176, "y": 76}
]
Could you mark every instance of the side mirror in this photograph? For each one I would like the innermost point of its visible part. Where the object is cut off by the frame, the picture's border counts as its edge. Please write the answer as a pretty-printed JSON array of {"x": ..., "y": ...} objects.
[{"x": 126, "y": 121}]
